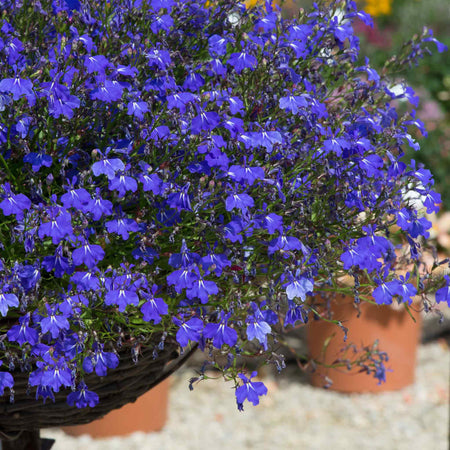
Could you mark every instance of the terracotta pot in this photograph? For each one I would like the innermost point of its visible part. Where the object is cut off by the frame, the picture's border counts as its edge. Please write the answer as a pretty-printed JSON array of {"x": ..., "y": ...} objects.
[
  {"x": 395, "y": 330},
  {"x": 148, "y": 413}
]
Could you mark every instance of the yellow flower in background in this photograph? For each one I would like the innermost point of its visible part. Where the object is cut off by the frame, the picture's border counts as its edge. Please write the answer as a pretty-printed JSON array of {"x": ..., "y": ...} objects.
[
  {"x": 252, "y": 3},
  {"x": 378, "y": 7},
  {"x": 248, "y": 3}
]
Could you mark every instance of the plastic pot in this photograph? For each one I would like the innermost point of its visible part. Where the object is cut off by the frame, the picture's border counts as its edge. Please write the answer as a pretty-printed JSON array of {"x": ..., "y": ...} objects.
[
  {"x": 397, "y": 334},
  {"x": 148, "y": 413}
]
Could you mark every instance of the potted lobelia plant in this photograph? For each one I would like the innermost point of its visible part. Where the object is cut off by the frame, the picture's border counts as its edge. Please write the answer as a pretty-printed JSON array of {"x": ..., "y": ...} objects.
[{"x": 175, "y": 174}]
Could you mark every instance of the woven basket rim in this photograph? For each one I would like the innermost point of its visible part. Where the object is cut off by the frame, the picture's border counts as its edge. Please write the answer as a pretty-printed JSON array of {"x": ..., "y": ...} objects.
[{"x": 121, "y": 386}]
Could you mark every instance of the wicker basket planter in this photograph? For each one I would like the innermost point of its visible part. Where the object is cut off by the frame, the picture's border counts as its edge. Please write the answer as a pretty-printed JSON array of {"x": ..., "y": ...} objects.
[{"x": 21, "y": 421}]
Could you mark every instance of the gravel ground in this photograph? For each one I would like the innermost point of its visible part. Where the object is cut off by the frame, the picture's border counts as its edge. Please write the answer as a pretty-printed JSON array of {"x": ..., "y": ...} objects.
[{"x": 295, "y": 415}]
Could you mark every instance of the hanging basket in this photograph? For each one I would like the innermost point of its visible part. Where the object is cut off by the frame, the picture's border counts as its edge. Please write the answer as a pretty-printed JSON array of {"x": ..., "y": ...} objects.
[{"x": 121, "y": 386}]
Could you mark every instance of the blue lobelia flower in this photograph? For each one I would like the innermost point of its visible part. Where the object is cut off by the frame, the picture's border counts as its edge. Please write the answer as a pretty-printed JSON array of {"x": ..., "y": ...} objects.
[
  {"x": 73, "y": 346},
  {"x": 246, "y": 174},
  {"x": 386, "y": 291},
  {"x": 443, "y": 294},
  {"x": 183, "y": 278},
  {"x": 98, "y": 206},
  {"x": 221, "y": 333},
  {"x": 193, "y": 82},
  {"x": 17, "y": 87},
  {"x": 217, "y": 67},
  {"x": 298, "y": 47},
  {"x": 236, "y": 105},
  {"x": 215, "y": 261},
  {"x": 188, "y": 331},
  {"x": 128, "y": 71},
  {"x": 184, "y": 258},
  {"x": 202, "y": 289},
  {"x": 217, "y": 45},
  {"x": 75, "y": 198},
  {"x": 299, "y": 286},
  {"x": 161, "y": 22},
  {"x": 23, "y": 333},
  {"x": 122, "y": 297},
  {"x": 419, "y": 226},
  {"x": 250, "y": 390},
  {"x": 107, "y": 166},
  {"x": 122, "y": 226},
  {"x": 73, "y": 4},
  {"x": 267, "y": 23},
  {"x": 284, "y": 244},
  {"x": 23, "y": 126},
  {"x": 72, "y": 303},
  {"x": 45, "y": 392},
  {"x": 89, "y": 254},
  {"x": 38, "y": 160},
  {"x": 82, "y": 397},
  {"x": 7, "y": 301},
  {"x": 431, "y": 200},
  {"x": 29, "y": 275},
  {"x": 86, "y": 280},
  {"x": 371, "y": 164},
  {"x": 154, "y": 307},
  {"x": 294, "y": 314},
  {"x": 205, "y": 121},
  {"x": 148, "y": 254},
  {"x": 54, "y": 323},
  {"x": 272, "y": 223},
  {"x": 150, "y": 181},
  {"x": 13, "y": 49},
  {"x": 406, "y": 291},
  {"x": 96, "y": 63},
  {"x": 6, "y": 381},
  {"x": 58, "y": 227},
  {"x": 336, "y": 145},
  {"x": 234, "y": 125},
  {"x": 167, "y": 216},
  {"x": 440, "y": 46},
  {"x": 257, "y": 327},
  {"x": 180, "y": 200},
  {"x": 14, "y": 203},
  {"x": 242, "y": 60},
  {"x": 294, "y": 103},
  {"x": 137, "y": 109},
  {"x": 403, "y": 218},
  {"x": 266, "y": 139},
  {"x": 239, "y": 201},
  {"x": 180, "y": 100},
  {"x": 56, "y": 374},
  {"x": 100, "y": 361},
  {"x": 378, "y": 245},
  {"x": 158, "y": 59},
  {"x": 233, "y": 230},
  {"x": 359, "y": 256},
  {"x": 217, "y": 158},
  {"x": 122, "y": 184},
  {"x": 60, "y": 101}
]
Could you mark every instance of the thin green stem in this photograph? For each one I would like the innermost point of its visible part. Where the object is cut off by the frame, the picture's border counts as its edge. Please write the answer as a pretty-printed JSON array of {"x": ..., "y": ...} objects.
[{"x": 5, "y": 164}]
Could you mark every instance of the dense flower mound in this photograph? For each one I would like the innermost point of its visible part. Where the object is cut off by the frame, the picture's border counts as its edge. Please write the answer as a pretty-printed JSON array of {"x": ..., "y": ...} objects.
[{"x": 194, "y": 170}]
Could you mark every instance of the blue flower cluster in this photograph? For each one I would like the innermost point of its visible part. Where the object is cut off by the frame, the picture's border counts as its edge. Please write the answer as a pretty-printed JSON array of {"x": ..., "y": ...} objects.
[{"x": 200, "y": 171}]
